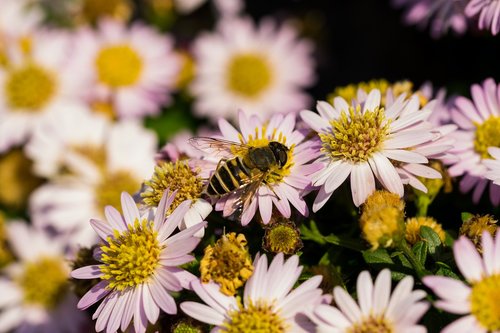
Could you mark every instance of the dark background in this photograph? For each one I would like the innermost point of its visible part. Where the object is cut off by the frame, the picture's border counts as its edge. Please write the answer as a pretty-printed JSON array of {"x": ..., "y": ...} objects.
[{"x": 359, "y": 40}]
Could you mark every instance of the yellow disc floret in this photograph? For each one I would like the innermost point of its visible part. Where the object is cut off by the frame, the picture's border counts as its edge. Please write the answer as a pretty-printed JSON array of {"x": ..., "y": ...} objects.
[
  {"x": 256, "y": 318},
  {"x": 249, "y": 74},
  {"x": 119, "y": 66},
  {"x": 484, "y": 302},
  {"x": 474, "y": 227},
  {"x": 108, "y": 191},
  {"x": 131, "y": 257},
  {"x": 30, "y": 87},
  {"x": 228, "y": 263},
  {"x": 282, "y": 236},
  {"x": 413, "y": 225},
  {"x": 93, "y": 10},
  {"x": 382, "y": 220},
  {"x": 487, "y": 136},
  {"x": 44, "y": 282},
  {"x": 176, "y": 176},
  {"x": 372, "y": 325},
  {"x": 355, "y": 136}
]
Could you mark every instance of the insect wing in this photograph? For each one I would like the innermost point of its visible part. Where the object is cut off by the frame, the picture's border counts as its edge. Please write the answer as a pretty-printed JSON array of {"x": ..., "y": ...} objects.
[
  {"x": 219, "y": 147},
  {"x": 243, "y": 198}
]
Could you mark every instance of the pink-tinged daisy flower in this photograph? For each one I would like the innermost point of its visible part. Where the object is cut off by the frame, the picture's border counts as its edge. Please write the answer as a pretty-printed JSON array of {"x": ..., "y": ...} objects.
[
  {"x": 268, "y": 305},
  {"x": 488, "y": 11},
  {"x": 281, "y": 186},
  {"x": 36, "y": 296},
  {"x": 476, "y": 300},
  {"x": 440, "y": 15},
  {"x": 139, "y": 265},
  {"x": 479, "y": 124},
  {"x": 95, "y": 177},
  {"x": 493, "y": 165},
  {"x": 367, "y": 142},
  {"x": 36, "y": 77},
  {"x": 131, "y": 69},
  {"x": 377, "y": 310},
  {"x": 261, "y": 70},
  {"x": 18, "y": 19}
]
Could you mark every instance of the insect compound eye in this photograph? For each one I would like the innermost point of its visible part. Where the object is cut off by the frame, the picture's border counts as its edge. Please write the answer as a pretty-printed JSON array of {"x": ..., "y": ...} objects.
[{"x": 280, "y": 152}]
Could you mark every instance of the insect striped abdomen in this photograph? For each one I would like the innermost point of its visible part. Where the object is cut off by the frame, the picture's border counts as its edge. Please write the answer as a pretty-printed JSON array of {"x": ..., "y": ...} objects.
[{"x": 228, "y": 177}]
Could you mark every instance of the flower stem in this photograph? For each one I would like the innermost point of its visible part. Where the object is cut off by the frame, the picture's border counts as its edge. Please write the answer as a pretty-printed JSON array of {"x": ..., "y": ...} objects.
[{"x": 417, "y": 265}]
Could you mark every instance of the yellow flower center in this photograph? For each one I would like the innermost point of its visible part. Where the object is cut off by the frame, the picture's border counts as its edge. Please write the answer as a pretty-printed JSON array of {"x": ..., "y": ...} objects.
[
  {"x": 44, "y": 282},
  {"x": 104, "y": 108},
  {"x": 258, "y": 318},
  {"x": 413, "y": 225},
  {"x": 174, "y": 176},
  {"x": 484, "y": 302},
  {"x": 487, "y": 136},
  {"x": 372, "y": 325},
  {"x": 282, "y": 237},
  {"x": 473, "y": 228},
  {"x": 131, "y": 256},
  {"x": 93, "y": 10},
  {"x": 355, "y": 136},
  {"x": 259, "y": 140},
  {"x": 249, "y": 74},
  {"x": 16, "y": 178},
  {"x": 119, "y": 66},
  {"x": 30, "y": 87},
  {"x": 96, "y": 154},
  {"x": 5, "y": 254},
  {"x": 228, "y": 263},
  {"x": 108, "y": 192}
]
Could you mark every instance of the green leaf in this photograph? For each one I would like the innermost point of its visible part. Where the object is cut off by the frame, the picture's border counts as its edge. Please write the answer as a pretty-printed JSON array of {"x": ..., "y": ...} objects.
[
  {"x": 432, "y": 239},
  {"x": 379, "y": 256},
  {"x": 445, "y": 270},
  {"x": 312, "y": 233},
  {"x": 420, "y": 249},
  {"x": 465, "y": 216}
]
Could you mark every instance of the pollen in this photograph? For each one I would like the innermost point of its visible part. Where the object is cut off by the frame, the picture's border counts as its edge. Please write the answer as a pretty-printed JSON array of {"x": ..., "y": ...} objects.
[
  {"x": 30, "y": 87},
  {"x": 484, "y": 302},
  {"x": 108, "y": 191},
  {"x": 355, "y": 136},
  {"x": 249, "y": 75},
  {"x": 256, "y": 318},
  {"x": 282, "y": 236},
  {"x": 413, "y": 225},
  {"x": 44, "y": 282},
  {"x": 382, "y": 220},
  {"x": 174, "y": 176},
  {"x": 119, "y": 66},
  {"x": 130, "y": 258},
  {"x": 372, "y": 325},
  {"x": 227, "y": 263},
  {"x": 350, "y": 91},
  {"x": 487, "y": 136}
]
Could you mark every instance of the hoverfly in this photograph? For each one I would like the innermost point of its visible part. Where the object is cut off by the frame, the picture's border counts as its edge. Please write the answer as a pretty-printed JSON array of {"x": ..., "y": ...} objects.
[{"x": 241, "y": 169}]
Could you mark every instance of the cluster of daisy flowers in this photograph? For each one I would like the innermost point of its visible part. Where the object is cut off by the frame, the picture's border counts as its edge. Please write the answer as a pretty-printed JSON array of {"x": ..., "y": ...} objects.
[{"x": 278, "y": 216}]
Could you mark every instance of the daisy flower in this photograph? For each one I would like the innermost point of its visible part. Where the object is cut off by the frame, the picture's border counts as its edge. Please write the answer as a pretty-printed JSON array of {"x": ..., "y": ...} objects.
[
  {"x": 120, "y": 163},
  {"x": 281, "y": 186},
  {"x": 268, "y": 305},
  {"x": 367, "y": 141},
  {"x": 131, "y": 69},
  {"x": 261, "y": 70},
  {"x": 493, "y": 165},
  {"x": 476, "y": 300},
  {"x": 18, "y": 19},
  {"x": 377, "y": 311},
  {"x": 479, "y": 124},
  {"x": 139, "y": 265},
  {"x": 36, "y": 295},
  {"x": 440, "y": 15},
  {"x": 488, "y": 11},
  {"x": 37, "y": 77}
]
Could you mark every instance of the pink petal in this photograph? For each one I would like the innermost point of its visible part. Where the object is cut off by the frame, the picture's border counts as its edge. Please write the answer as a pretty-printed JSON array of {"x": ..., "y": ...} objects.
[
  {"x": 364, "y": 287},
  {"x": 150, "y": 308},
  {"x": 130, "y": 211},
  {"x": 466, "y": 324},
  {"x": 362, "y": 183},
  {"x": 87, "y": 272},
  {"x": 347, "y": 304},
  {"x": 92, "y": 296},
  {"x": 202, "y": 313},
  {"x": 101, "y": 228},
  {"x": 161, "y": 297},
  {"x": 114, "y": 218},
  {"x": 468, "y": 260},
  {"x": 447, "y": 288},
  {"x": 387, "y": 173}
]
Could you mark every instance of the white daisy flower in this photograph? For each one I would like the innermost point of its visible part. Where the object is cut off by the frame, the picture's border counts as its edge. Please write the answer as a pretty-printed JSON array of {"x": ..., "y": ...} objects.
[
  {"x": 269, "y": 304},
  {"x": 132, "y": 69},
  {"x": 493, "y": 165},
  {"x": 377, "y": 310},
  {"x": 368, "y": 142},
  {"x": 261, "y": 70},
  {"x": 37, "y": 77},
  {"x": 139, "y": 265},
  {"x": 36, "y": 295},
  {"x": 477, "y": 300},
  {"x": 18, "y": 19},
  {"x": 125, "y": 159}
]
